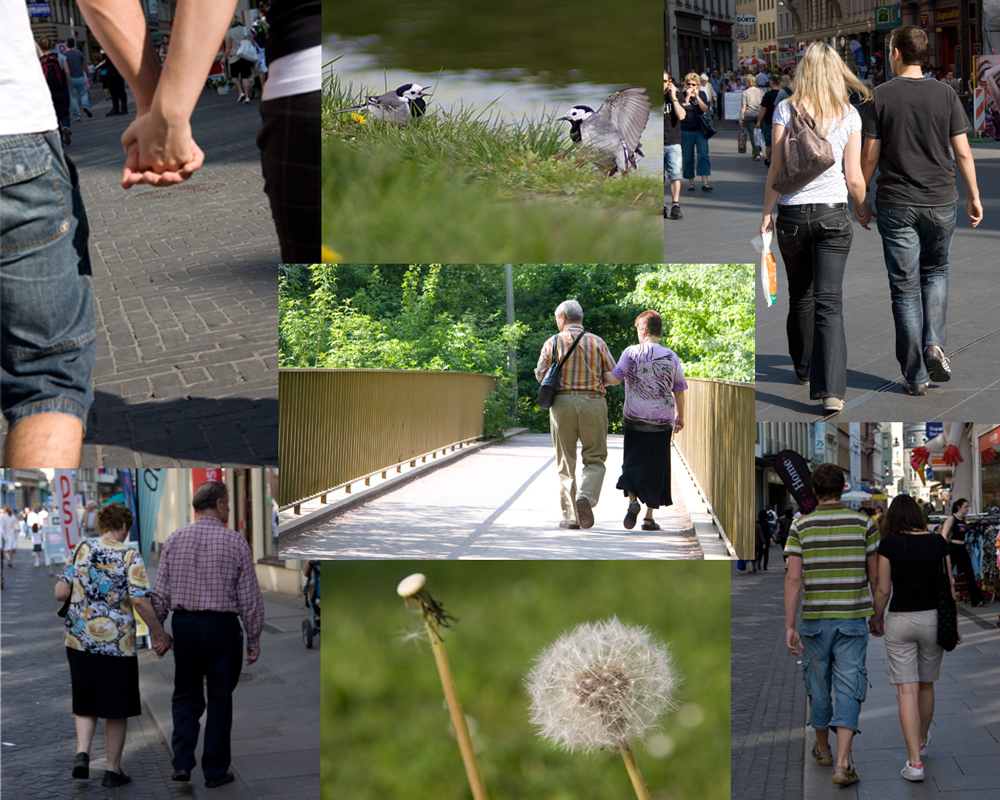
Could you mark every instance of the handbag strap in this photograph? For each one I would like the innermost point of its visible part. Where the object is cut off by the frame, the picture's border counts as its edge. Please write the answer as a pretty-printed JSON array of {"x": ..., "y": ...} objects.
[{"x": 571, "y": 349}]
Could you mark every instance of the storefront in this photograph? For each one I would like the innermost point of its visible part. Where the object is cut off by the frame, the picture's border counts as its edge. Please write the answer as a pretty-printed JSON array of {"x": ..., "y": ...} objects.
[
  {"x": 990, "y": 473},
  {"x": 722, "y": 47},
  {"x": 692, "y": 45}
]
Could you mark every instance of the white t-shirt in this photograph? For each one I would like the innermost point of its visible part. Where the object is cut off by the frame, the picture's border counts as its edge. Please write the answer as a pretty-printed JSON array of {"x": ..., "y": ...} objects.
[
  {"x": 831, "y": 186},
  {"x": 24, "y": 95}
]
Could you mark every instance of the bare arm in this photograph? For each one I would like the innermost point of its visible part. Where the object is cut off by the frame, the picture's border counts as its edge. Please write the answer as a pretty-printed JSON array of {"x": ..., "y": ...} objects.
[
  {"x": 880, "y": 590},
  {"x": 145, "y": 608},
  {"x": 63, "y": 590},
  {"x": 793, "y": 589},
  {"x": 679, "y": 412},
  {"x": 610, "y": 379},
  {"x": 777, "y": 162},
  {"x": 869, "y": 158},
  {"x": 967, "y": 169},
  {"x": 871, "y": 565},
  {"x": 856, "y": 184}
]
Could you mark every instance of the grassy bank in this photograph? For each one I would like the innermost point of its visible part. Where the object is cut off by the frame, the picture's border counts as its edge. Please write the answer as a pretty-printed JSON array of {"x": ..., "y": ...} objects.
[{"x": 462, "y": 187}]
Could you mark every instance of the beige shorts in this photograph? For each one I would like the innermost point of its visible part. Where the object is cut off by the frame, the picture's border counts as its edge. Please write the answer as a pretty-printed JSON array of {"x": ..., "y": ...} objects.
[{"x": 912, "y": 648}]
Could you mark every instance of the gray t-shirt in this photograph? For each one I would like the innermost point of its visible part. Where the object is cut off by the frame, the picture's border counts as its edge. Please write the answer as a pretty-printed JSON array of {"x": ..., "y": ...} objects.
[
  {"x": 915, "y": 118},
  {"x": 75, "y": 60}
]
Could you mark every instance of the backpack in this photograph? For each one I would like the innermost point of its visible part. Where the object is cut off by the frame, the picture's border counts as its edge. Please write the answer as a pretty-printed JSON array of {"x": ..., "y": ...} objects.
[
  {"x": 807, "y": 153},
  {"x": 54, "y": 75}
]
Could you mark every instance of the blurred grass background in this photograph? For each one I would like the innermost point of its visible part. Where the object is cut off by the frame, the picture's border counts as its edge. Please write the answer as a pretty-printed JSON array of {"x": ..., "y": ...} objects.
[{"x": 386, "y": 733}]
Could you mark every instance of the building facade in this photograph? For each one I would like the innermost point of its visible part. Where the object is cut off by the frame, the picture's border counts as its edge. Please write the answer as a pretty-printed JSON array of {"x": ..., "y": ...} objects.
[{"x": 699, "y": 36}]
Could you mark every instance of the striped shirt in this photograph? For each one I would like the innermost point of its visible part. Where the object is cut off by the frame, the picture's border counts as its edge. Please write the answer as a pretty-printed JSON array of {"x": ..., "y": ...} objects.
[
  {"x": 208, "y": 567},
  {"x": 583, "y": 370},
  {"x": 834, "y": 543}
]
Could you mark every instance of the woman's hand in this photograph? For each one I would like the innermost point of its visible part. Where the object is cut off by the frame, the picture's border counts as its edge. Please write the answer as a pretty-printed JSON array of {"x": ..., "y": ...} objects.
[
  {"x": 678, "y": 423},
  {"x": 159, "y": 151},
  {"x": 863, "y": 213},
  {"x": 766, "y": 224},
  {"x": 163, "y": 644}
]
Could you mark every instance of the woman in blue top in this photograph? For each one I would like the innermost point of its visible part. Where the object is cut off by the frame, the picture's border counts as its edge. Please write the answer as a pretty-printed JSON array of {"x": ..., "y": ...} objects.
[{"x": 654, "y": 408}]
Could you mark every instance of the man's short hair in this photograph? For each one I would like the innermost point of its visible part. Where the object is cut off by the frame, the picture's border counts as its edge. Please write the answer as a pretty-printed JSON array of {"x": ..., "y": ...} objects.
[
  {"x": 776, "y": 81},
  {"x": 71, "y": 42},
  {"x": 571, "y": 310},
  {"x": 208, "y": 494},
  {"x": 651, "y": 321},
  {"x": 827, "y": 481},
  {"x": 911, "y": 42},
  {"x": 113, "y": 516}
]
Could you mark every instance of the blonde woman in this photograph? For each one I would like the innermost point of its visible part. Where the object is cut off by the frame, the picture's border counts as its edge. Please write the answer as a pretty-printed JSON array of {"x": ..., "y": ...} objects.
[
  {"x": 695, "y": 103},
  {"x": 105, "y": 580},
  {"x": 813, "y": 226},
  {"x": 750, "y": 110}
]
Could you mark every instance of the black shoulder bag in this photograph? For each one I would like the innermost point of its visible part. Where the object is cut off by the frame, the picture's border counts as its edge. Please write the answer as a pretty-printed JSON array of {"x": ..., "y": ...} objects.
[
  {"x": 550, "y": 383},
  {"x": 947, "y": 616}
]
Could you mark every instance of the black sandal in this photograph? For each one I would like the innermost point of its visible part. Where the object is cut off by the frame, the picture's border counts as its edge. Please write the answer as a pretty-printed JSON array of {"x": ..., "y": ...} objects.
[{"x": 649, "y": 525}]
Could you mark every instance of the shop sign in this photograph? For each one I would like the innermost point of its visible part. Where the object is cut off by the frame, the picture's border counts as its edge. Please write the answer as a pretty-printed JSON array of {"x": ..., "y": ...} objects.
[
  {"x": 746, "y": 19},
  {"x": 886, "y": 17},
  {"x": 988, "y": 440},
  {"x": 741, "y": 34},
  {"x": 722, "y": 30},
  {"x": 771, "y": 48},
  {"x": 932, "y": 429},
  {"x": 39, "y": 10},
  {"x": 923, "y": 20},
  {"x": 946, "y": 15}
]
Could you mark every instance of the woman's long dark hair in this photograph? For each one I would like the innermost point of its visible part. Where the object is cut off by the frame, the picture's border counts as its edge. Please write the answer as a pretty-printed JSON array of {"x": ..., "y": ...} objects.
[{"x": 903, "y": 516}]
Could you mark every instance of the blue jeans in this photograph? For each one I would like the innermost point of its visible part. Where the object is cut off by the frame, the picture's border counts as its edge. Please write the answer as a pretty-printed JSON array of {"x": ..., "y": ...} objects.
[
  {"x": 78, "y": 95},
  {"x": 690, "y": 141},
  {"x": 47, "y": 342},
  {"x": 916, "y": 243},
  {"x": 814, "y": 244},
  {"x": 833, "y": 663}
]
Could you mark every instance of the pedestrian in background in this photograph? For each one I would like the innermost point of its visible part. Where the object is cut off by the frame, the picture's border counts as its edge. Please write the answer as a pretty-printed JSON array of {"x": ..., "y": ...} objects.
[
  {"x": 104, "y": 581},
  {"x": 718, "y": 84},
  {"x": 954, "y": 532},
  {"x": 8, "y": 534},
  {"x": 240, "y": 66},
  {"x": 673, "y": 157},
  {"x": 58, "y": 80},
  {"x": 164, "y": 47},
  {"x": 579, "y": 413},
  {"x": 706, "y": 87},
  {"x": 831, "y": 545},
  {"x": 79, "y": 83},
  {"x": 909, "y": 561},
  {"x": 653, "y": 410},
  {"x": 774, "y": 95},
  {"x": 36, "y": 544},
  {"x": 750, "y": 113},
  {"x": 695, "y": 104},
  {"x": 813, "y": 225},
  {"x": 206, "y": 578},
  {"x": 781, "y": 534}
]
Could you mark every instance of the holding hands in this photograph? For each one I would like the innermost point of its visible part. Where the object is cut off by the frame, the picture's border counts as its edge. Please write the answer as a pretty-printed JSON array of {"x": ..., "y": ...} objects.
[
  {"x": 162, "y": 644},
  {"x": 159, "y": 151},
  {"x": 863, "y": 213}
]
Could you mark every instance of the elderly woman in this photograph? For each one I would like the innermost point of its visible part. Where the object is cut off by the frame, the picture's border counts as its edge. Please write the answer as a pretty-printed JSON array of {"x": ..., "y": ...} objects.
[
  {"x": 654, "y": 408},
  {"x": 104, "y": 581}
]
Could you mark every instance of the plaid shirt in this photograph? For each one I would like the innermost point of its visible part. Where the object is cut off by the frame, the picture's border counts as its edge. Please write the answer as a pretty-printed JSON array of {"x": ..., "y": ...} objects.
[
  {"x": 583, "y": 370},
  {"x": 208, "y": 567}
]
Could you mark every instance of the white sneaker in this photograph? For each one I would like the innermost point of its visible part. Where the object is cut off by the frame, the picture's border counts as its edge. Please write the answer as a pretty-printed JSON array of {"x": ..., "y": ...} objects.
[
  {"x": 912, "y": 773},
  {"x": 925, "y": 745}
]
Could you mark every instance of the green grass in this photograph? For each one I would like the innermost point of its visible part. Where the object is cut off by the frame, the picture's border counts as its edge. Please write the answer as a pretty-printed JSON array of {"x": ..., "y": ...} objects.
[
  {"x": 460, "y": 186},
  {"x": 386, "y": 733}
]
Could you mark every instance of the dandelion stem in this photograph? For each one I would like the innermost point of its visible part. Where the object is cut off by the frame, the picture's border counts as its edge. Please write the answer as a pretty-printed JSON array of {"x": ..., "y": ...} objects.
[
  {"x": 414, "y": 589},
  {"x": 641, "y": 792}
]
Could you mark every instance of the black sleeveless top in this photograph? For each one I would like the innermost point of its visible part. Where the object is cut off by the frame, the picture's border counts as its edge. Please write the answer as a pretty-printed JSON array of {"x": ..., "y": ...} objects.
[{"x": 958, "y": 527}]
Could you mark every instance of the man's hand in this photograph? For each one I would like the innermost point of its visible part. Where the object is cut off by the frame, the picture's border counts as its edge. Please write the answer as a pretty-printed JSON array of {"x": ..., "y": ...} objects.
[
  {"x": 159, "y": 152},
  {"x": 161, "y": 646},
  {"x": 975, "y": 211},
  {"x": 876, "y": 628},
  {"x": 252, "y": 655},
  {"x": 863, "y": 213},
  {"x": 793, "y": 641}
]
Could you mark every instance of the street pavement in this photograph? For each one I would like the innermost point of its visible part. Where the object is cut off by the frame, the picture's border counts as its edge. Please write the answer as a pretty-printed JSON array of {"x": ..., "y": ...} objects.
[
  {"x": 498, "y": 502},
  {"x": 771, "y": 740},
  {"x": 185, "y": 281},
  {"x": 276, "y": 729}
]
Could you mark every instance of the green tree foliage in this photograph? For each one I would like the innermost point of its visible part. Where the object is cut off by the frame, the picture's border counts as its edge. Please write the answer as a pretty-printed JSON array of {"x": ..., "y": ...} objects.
[{"x": 452, "y": 317}]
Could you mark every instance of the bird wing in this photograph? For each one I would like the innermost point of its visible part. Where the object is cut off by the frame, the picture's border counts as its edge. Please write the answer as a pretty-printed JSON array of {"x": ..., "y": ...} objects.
[
  {"x": 390, "y": 101},
  {"x": 628, "y": 110}
]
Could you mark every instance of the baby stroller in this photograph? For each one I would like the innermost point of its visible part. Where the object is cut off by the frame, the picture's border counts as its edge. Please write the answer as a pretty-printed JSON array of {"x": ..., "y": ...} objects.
[{"x": 311, "y": 591}]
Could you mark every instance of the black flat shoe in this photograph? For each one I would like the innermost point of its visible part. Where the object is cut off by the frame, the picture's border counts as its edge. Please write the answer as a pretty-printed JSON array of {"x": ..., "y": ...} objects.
[
  {"x": 633, "y": 514},
  {"x": 81, "y": 767},
  {"x": 690, "y": 188},
  {"x": 181, "y": 775},
  {"x": 227, "y": 778},
  {"x": 113, "y": 779},
  {"x": 707, "y": 188}
]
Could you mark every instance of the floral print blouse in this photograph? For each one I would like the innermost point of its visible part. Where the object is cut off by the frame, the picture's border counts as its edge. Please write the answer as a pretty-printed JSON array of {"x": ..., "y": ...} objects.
[{"x": 105, "y": 577}]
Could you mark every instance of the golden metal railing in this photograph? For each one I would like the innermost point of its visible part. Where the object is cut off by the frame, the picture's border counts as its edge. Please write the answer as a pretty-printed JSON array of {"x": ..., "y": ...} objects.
[
  {"x": 339, "y": 425},
  {"x": 717, "y": 444}
]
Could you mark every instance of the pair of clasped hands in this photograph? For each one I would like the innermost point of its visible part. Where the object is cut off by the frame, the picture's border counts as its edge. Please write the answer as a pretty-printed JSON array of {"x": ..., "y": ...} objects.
[{"x": 159, "y": 151}]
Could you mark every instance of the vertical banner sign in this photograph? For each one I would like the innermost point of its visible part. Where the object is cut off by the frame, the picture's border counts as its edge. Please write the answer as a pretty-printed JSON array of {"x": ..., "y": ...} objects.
[
  {"x": 979, "y": 109},
  {"x": 794, "y": 473},
  {"x": 129, "y": 492},
  {"x": 200, "y": 476},
  {"x": 150, "y": 485},
  {"x": 65, "y": 496}
]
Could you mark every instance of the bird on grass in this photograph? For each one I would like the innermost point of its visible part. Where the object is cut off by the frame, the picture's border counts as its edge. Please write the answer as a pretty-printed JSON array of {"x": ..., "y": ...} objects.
[
  {"x": 614, "y": 130},
  {"x": 398, "y": 107}
]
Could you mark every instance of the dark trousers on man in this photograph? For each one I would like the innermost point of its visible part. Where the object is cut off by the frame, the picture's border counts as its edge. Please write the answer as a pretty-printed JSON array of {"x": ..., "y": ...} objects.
[{"x": 207, "y": 645}]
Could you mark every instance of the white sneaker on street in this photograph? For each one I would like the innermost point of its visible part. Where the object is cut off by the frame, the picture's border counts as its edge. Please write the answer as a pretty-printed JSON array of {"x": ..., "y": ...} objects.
[
  {"x": 912, "y": 773},
  {"x": 925, "y": 745}
]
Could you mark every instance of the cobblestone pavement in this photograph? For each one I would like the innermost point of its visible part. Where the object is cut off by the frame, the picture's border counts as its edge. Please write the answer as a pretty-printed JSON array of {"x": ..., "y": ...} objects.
[{"x": 185, "y": 281}]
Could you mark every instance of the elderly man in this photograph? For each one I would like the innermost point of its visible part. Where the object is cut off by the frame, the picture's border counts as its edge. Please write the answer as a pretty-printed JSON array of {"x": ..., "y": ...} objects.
[
  {"x": 833, "y": 553},
  {"x": 579, "y": 413},
  {"x": 206, "y": 577}
]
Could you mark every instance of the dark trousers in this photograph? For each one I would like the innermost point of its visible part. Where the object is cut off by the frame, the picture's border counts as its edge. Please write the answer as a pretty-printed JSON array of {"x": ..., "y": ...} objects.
[
  {"x": 814, "y": 244},
  {"x": 961, "y": 561},
  {"x": 207, "y": 645},
  {"x": 119, "y": 99}
]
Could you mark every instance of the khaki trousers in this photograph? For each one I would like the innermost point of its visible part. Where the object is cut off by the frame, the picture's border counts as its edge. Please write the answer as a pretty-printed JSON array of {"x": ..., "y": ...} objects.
[{"x": 579, "y": 418}]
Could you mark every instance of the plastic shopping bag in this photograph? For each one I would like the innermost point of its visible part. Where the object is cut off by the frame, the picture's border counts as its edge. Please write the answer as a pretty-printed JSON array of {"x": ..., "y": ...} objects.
[
  {"x": 758, "y": 138},
  {"x": 768, "y": 268}
]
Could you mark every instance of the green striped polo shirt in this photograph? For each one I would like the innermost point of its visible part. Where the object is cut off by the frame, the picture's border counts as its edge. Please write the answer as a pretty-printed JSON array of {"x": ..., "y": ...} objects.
[{"x": 834, "y": 543}]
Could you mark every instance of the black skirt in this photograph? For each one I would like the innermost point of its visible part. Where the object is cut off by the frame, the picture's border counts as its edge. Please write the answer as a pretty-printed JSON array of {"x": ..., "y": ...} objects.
[
  {"x": 646, "y": 467},
  {"x": 104, "y": 686}
]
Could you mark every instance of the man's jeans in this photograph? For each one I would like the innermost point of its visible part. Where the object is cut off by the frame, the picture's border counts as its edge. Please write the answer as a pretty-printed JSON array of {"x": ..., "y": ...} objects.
[
  {"x": 47, "y": 342},
  {"x": 78, "y": 95},
  {"x": 833, "y": 660},
  {"x": 814, "y": 243},
  {"x": 916, "y": 243}
]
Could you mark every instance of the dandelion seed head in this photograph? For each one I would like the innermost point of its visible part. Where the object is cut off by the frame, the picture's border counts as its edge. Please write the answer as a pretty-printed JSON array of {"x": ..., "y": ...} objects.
[{"x": 603, "y": 685}]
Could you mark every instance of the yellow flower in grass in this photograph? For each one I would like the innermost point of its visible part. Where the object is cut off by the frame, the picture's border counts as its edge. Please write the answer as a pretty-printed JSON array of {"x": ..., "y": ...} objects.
[
  {"x": 358, "y": 118},
  {"x": 102, "y": 629}
]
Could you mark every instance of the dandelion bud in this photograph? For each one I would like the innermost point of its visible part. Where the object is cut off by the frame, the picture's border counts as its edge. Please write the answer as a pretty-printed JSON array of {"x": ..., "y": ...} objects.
[{"x": 602, "y": 685}]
